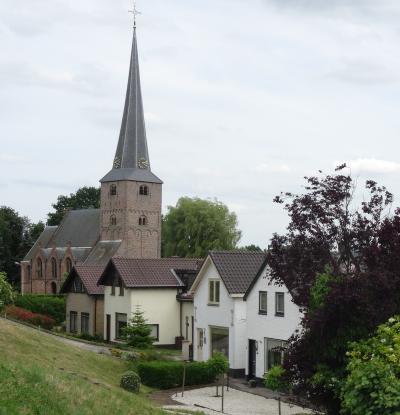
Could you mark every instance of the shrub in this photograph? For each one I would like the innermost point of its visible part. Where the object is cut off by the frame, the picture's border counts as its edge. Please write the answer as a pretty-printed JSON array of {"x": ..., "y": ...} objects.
[
  {"x": 169, "y": 374},
  {"x": 373, "y": 382},
  {"x": 7, "y": 294},
  {"x": 275, "y": 379},
  {"x": 49, "y": 305},
  {"x": 130, "y": 381},
  {"x": 116, "y": 353},
  {"x": 27, "y": 316},
  {"x": 218, "y": 364},
  {"x": 137, "y": 332}
]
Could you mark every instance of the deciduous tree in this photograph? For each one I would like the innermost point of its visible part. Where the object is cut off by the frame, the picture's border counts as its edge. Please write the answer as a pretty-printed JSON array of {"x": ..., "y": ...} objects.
[{"x": 195, "y": 226}]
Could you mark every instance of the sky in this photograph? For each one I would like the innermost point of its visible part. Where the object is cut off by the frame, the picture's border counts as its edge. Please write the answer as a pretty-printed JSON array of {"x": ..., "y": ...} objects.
[{"x": 242, "y": 99}]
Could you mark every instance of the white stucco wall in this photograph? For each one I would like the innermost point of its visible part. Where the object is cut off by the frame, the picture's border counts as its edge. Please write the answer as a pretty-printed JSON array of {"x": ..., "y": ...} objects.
[
  {"x": 158, "y": 305},
  {"x": 261, "y": 326},
  {"x": 187, "y": 311},
  {"x": 230, "y": 314}
]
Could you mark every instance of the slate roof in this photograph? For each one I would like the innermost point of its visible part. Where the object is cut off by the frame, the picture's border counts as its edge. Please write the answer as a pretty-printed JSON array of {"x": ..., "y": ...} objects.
[
  {"x": 102, "y": 253},
  {"x": 237, "y": 268},
  {"x": 43, "y": 240},
  {"x": 78, "y": 227},
  {"x": 89, "y": 275},
  {"x": 131, "y": 160},
  {"x": 147, "y": 273}
]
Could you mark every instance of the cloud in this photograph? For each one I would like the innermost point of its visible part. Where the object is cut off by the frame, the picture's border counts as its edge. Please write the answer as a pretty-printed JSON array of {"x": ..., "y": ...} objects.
[
  {"x": 272, "y": 168},
  {"x": 10, "y": 158},
  {"x": 324, "y": 6},
  {"x": 372, "y": 165}
]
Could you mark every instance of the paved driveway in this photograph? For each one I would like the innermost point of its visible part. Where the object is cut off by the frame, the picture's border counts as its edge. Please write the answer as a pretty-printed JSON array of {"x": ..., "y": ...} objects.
[{"x": 235, "y": 403}]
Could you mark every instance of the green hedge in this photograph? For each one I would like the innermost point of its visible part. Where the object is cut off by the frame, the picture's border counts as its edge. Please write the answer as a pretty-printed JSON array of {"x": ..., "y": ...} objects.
[
  {"x": 169, "y": 374},
  {"x": 49, "y": 305}
]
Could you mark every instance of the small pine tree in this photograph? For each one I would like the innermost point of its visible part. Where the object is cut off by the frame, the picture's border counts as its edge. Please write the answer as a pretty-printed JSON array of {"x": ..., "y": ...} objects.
[{"x": 137, "y": 332}]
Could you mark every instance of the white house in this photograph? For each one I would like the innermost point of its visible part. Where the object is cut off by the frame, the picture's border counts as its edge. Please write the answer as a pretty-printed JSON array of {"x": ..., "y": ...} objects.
[
  {"x": 158, "y": 287},
  {"x": 272, "y": 318},
  {"x": 219, "y": 309}
]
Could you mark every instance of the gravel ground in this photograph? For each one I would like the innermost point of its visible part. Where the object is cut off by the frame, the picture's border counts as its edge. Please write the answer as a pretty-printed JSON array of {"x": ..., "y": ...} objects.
[{"x": 235, "y": 403}]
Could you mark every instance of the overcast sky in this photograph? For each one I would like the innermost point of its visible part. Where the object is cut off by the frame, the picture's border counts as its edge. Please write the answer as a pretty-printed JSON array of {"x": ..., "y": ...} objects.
[{"x": 242, "y": 98}]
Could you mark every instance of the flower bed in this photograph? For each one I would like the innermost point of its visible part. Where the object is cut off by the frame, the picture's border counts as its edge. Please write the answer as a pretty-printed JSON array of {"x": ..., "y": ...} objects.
[{"x": 27, "y": 316}]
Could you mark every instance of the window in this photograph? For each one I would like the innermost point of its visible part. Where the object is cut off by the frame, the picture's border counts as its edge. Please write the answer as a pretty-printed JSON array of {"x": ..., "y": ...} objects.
[
  {"x": 154, "y": 331},
  {"x": 274, "y": 352},
  {"x": 113, "y": 288},
  {"x": 53, "y": 268},
  {"x": 280, "y": 304},
  {"x": 219, "y": 340},
  {"x": 113, "y": 190},
  {"x": 213, "y": 292},
  {"x": 113, "y": 220},
  {"x": 143, "y": 190},
  {"x": 68, "y": 264},
  {"x": 120, "y": 323},
  {"x": 142, "y": 221},
  {"x": 78, "y": 286},
  {"x": 262, "y": 303},
  {"x": 84, "y": 322},
  {"x": 73, "y": 318},
  {"x": 53, "y": 287},
  {"x": 121, "y": 287},
  {"x": 39, "y": 268}
]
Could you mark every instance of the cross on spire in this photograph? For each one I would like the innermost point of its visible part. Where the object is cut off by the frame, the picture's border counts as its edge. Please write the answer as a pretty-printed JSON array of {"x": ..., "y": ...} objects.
[{"x": 135, "y": 12}]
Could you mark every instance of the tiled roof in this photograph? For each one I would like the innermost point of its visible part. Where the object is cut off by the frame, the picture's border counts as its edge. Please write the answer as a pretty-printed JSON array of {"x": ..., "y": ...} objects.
[
  {"x": 89, "y": 275},
  {"x": 237, "y": 268},
  {"x": 157, "y": 272}
]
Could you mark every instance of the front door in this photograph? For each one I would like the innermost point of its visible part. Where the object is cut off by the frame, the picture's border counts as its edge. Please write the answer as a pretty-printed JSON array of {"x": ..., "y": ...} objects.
[
  {"x": 108, "y": 327},
  {"x": 200, "y": 343},
  {"x": 252, "y": 358}
]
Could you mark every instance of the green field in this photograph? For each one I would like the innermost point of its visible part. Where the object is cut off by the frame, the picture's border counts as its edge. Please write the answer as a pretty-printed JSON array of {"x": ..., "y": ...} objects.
[{"x": 41, "y": 375}]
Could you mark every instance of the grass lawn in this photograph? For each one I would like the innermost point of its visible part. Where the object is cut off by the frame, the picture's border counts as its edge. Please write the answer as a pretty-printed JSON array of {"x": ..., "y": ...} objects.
[{"x": 41, "y": 375}]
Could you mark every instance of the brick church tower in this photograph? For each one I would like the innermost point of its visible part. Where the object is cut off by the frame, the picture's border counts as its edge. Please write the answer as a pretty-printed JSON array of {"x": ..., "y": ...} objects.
[{"x": 130, "y": 192}]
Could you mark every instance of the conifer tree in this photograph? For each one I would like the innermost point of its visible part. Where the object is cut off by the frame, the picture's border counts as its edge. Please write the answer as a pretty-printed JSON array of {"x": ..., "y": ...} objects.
[{"x": 137, "y": 332}]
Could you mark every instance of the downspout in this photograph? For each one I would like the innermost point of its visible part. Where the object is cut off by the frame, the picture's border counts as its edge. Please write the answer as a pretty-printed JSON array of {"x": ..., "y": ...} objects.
[
  {"x": 180, "y": 317},
  {"x": 95, "y": 315}
]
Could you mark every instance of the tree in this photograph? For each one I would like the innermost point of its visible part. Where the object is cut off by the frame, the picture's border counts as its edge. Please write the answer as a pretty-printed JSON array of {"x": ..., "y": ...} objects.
[
  {"x": 338, "y": 261},
  {"x": 252, "y": 247},
  {"x": 17, "y": 235},
  {"x": 6, "y": 292},
  {"x": 195, "y": 226},
  {"x": 137, "y": 332},
  {"x": 373, "y": 382},
  {"x": 84, "y": 198}
]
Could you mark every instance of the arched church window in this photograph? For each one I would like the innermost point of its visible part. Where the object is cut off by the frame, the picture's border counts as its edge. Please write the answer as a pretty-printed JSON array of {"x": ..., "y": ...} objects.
[
  {"x": 53, "y": 268},
  {"x": 113, "y": 220},
  {"x": 68, "y": 264},
  {"x": 142, "y": 220},
  {"x": 113, "y": 189},
  {"x": 144, "y": 190},
  {"x": 39, "y": 268}
]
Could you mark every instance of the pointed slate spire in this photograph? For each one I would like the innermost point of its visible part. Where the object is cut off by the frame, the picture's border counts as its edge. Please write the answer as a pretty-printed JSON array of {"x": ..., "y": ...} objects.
[{"x": 131, "y": 161}]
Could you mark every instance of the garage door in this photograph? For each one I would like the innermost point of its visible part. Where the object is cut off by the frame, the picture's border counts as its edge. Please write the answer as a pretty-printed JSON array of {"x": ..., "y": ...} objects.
[{"x": 220, "y": 340}]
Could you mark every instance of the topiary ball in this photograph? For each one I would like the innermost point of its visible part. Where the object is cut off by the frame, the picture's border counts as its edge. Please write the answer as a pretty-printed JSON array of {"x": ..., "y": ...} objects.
[{"x": 130, "y": 381}]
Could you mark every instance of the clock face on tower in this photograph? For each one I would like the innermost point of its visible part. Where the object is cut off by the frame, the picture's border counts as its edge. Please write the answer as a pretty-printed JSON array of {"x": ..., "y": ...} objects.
[
  {"x": 117, "y": 163},
  {"x": 143, "y": 163}
]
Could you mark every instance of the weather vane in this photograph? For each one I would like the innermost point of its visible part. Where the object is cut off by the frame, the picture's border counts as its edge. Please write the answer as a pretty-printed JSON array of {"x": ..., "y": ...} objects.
[{"x": 135, "y": 12}]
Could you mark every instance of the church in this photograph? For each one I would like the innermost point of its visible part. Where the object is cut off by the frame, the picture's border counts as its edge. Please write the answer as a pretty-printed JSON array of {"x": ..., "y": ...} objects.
[{"x": 128, "y": 223}]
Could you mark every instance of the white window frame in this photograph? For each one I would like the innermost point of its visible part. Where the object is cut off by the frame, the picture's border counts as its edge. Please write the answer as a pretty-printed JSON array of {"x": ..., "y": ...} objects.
[
  {"x": 279, "y": 313},
  {"x": 214, "y": 300},
  {"x": 261, "y": 310}
]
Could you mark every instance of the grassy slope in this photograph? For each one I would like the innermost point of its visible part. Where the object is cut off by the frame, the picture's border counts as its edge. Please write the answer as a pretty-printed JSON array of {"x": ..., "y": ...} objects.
[{"x": 41, "y": 375}]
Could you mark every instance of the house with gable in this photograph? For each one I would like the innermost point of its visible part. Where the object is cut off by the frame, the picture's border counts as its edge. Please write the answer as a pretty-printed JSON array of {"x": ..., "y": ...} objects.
[
  {"x": 218, "y": 291},
  {"x": 272, "y": 318},
  {"x": 158, "y": 287}
]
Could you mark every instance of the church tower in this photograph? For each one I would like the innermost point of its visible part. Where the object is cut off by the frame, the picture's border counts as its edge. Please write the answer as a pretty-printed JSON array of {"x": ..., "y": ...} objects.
[{"x": 130, "y": 192}]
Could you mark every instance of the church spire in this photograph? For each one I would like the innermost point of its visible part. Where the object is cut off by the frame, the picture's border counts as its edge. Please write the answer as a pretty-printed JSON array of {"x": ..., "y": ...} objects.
[{"x": 131, "y": 161}]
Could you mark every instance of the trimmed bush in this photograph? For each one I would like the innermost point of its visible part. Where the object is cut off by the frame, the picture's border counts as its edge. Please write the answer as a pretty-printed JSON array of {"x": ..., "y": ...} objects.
[
  {"x": 275, "y": 379},
  {"x": 218, "y": 364},
  {"x": 49, "y": 305},
  {"x": 169, "y": 374},
  {"x": 27, "y": 316},
  {"x": 130, "y": 381}
]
